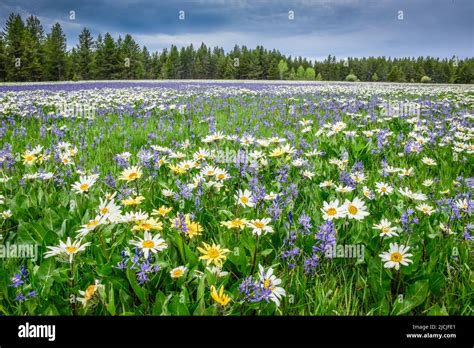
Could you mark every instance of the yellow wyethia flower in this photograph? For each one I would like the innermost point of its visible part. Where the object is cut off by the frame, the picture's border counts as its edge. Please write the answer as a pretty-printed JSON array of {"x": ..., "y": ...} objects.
[
  {"x": 235, "y": 224},
  {"x": 193, "y": 228},
  {"x": 219, "y": 297},
  {"x": 162, "y": 211},
  {"x": 148, "y": 225},
  {"x": 213, "y": 254},
  {"x": 133, "y": 201},
  {"x": 177, "y": 169}
]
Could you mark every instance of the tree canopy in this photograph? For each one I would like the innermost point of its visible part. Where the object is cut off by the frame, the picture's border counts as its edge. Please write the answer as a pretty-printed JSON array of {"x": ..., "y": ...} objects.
[{"x": 27, "y": 54}]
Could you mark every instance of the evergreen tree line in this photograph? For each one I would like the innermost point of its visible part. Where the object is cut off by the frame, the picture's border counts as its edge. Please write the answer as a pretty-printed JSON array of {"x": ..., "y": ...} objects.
[{"x": 28, "y": 54}]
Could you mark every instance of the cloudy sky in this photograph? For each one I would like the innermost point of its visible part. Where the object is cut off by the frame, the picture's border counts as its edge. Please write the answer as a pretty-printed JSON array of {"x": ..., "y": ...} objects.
[{"x": 440, "y": 28}]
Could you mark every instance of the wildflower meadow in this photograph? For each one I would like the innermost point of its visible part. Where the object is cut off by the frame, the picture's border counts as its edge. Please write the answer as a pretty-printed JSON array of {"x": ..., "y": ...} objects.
[{"x": 236, "y": 198}]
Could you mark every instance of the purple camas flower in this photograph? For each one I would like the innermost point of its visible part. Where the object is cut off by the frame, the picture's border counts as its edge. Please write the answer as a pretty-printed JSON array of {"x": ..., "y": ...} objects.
[
  {"x": 20, "y": 297},
  {"x": 310, "y": 264},
  {"x": 358, "y": 167},
  {"x": 180, "y": 223},
  {"x": 305, "y": 222},
  {"x": 184, "y": 191},
  {"x": 275, "y": 209},
  {"x": 325, "y": 237},
  {"x": 121, "y": 161},
  {"x": 142, "y": 267},
  {"x": 123, "y": 263},
  {"x": 346, "y": 179},
  {"x": 110, "y": 180},
  {"x": 384, "y": 166},
  {"x": 254, "y": 291},
  {"x": 290, "y": 251},
  {"x": 282, "y": 174},
  {"x": 16, "y": 280}
]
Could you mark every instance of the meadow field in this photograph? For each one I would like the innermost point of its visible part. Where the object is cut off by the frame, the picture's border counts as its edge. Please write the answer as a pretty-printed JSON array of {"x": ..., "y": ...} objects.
[{"x": 236, "y": 198}]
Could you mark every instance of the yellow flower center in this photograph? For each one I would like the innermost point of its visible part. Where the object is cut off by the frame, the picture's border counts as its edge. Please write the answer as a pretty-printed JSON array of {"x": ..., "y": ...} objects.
[
  {"x": 259, "y": 224},
  {"x": 104, "y": 210},
  {"x": 331, "y": 211},
  {"x": 266, "y": 283},
  {"x": 148, "y": 244},
  {"x": 213, "y": 253},
  {"x": 383, "y": 189},
  {"x": 396, "y": 257},
  {"x": 244, "y": 199},
  {"x": 177, "y": 273},
  {"x": 89, "y": 292},
  {"x": 146, "y": 226},
  {"x": 237, "y": 223},
  {"x": 352, "y": 209},
  {"x": 84, "y": 187},
  {"x": 71, "y": 249},
  {"x": 133, "y": 176},
  {"x": 92, "y": 223}
]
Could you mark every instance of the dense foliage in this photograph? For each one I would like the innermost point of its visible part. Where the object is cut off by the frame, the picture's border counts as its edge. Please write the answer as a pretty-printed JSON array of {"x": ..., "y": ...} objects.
[{"x": 27, "y": 54}]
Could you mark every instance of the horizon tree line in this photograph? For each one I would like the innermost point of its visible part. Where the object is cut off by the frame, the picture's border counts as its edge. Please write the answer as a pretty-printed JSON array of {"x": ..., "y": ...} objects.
[{"x": 27, "y": 53}]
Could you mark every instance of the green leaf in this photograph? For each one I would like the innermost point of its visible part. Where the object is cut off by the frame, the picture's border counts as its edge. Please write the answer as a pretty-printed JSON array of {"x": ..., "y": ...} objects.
[
  {"x": 111, "y": 305},
  {"x": 437, "y": 310},
  {"x": 437, "y": 282},
  {"x": 416, "y": 295},
  {"x": 201, "y": 307},
  {"x": 132, "y": 278}
]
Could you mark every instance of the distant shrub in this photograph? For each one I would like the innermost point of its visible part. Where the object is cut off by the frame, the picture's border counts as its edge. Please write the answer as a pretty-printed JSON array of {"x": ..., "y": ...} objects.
[
  {"x": 309, "y": 74},
  {"x": 351, "y": 78},
  {"x": 425, "y": 79}
]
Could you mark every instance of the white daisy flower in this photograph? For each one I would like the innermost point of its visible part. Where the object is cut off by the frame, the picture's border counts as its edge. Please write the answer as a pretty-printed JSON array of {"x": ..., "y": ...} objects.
[
  {"x": 332, "y": 210},
  {"x": 425, "y": 209},
  {"x": 271, "y": 282},
  {"x": 66, "y": 251},
  {"x": 150, "y": 243},
  {"x": 384, "y": 189},
  {"x": 84, "y": 184},
  {"x": 386, "y": 229},
  {"x": 355, "y": 209},
  {"x": 260, "y": 226},
  {"x": 244, "y": 198},
  {"x": 396, "y": 256}
]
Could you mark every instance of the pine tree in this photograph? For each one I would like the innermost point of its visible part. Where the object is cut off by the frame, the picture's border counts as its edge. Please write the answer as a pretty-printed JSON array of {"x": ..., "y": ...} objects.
[
  {"x": 14, "y": 48},
  {"x": 3, "y": 73},
  {"x": 98, "y": 59},
  {"x": 85, "y": 54},
  {"x": 111, "y": 64},
  {"x": 171, "y": 69},
  {"x": 274, "y": 71},
  {"x": 55, "y": 54},
  {"x": 33, "y": 39}
]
